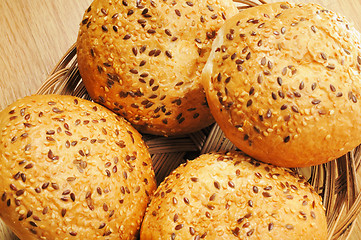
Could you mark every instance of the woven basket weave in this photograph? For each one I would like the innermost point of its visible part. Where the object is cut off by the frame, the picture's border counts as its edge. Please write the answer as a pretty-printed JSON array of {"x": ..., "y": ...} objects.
[{"x": 335, "y": 181}]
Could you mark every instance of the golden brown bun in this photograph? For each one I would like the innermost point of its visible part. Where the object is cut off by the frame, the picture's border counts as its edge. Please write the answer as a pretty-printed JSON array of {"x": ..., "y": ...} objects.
[
  {"x": 283, "y": 82},
  {"x": 71, "y": 169},
  {"x": 144, "y": 60},
  {"x": 231, "y": 196}
]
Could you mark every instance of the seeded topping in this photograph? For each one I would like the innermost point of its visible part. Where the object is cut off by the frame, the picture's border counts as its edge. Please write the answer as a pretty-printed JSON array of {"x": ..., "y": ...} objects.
[
  {"x": 217, "y": 204},
  {"x": 144, "y": 38},
  {"x": 298, "y": 101},
  {"x": 45, "y": 171}
]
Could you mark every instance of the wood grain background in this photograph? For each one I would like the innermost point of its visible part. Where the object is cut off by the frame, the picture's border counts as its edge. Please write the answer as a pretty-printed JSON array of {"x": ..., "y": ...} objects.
[{"x": 35, "y": 34}]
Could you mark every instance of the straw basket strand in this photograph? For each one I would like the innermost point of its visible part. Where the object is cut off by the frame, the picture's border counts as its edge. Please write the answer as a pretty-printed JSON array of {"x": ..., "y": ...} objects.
[{"x": 335, "y": 181}]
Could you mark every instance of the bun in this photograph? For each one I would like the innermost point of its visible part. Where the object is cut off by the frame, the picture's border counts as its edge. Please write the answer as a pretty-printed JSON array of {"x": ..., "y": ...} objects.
[
  {"x": 231, "y": 196},
  {"x": 143, "y": 60},
  {"x": 71, "y": 169},
  {"x": 283, "y": 82}
]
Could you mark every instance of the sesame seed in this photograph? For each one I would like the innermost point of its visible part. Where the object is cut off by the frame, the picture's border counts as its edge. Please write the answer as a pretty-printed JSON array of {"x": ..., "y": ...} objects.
[
  {"x": 217, "y": 185},
  {"x": 177, "y": 12}
]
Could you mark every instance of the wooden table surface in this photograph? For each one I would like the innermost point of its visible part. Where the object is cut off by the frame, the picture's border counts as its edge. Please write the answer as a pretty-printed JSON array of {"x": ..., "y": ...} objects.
[{"x": 35, "y": 34}]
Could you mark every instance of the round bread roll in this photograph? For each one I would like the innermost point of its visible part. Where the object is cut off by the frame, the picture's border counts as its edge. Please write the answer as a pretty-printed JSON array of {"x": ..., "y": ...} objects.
[
  {"x": 231, "y": 196},
  {"x": 283, "y": 82},
  {"x": 71, "y": 169},
  {"x": 143, "y": 60}
]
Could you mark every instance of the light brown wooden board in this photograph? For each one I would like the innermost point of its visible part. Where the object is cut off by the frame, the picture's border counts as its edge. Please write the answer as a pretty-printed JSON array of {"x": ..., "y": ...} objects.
[{"x": 35, "y": 34}]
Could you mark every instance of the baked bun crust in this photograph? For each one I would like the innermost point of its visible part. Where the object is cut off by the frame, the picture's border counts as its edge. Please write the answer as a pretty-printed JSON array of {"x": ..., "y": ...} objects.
[
  {"x": 71, "y": 169},
  {"x": 283, "y": 82},
  {"x": 231, "y": 196},
  {"x": 143, "y": 60}
]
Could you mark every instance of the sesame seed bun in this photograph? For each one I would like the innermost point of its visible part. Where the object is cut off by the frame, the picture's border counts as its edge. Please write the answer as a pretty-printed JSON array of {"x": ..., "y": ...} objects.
[
  {"x": 143, "y": 60},
  {"x": 231, "y": 196},
  {"x": 71, "y": 169},
  {"x": 283, "y": 82}
]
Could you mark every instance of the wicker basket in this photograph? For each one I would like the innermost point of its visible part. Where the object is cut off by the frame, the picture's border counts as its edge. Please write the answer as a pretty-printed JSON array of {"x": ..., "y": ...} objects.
[{"x": 335, "y": 181}]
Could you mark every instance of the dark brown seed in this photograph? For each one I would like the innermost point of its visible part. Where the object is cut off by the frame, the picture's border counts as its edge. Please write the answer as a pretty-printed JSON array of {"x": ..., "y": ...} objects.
[
  {"x": 281, "y": 94},
  {"x": 126, "y": 37},
  {"x": 315, "y": 101},
  {"x": 172, "y": 236},
  {"x": 279, "y": 81},
  {"x": 178, "y": 12},
  {"x": 179, "y": 227},
  {"x": 286, "y": 139},
  {"x": 250, "y": 232},
  {"x": 313, "y": 28},
  {"x": 284, "y": 106},
  {"x": 20, "y": 192},
  {"x": 324, "y": 56},
  {"x": 30, "y": 165},
  {"x": 269, "y": 113},
  {"x": 295, "y": 109},
  {"x": 249, "y": 102},
  {"x": 55, "y": 186},
  {"x": 169, "y": 54},
  {"x": 175, "y": 218},
  {"x": 270, "y": 226},
  {"x": 13, "y": 187},
  {"x": 266, "y": 194},
  {"x": 105, "y": 207},
  {"x": 63, "y": 212},
  {"x": 217, "y": 185},
  {"x": 250, "y": 203},
  {"x": 194, "y": 179},
  {"x": 231, "y": 184},
  {"x": 186, "y": 200},
  {"x": 274, "y": 96},
  {"x": 302, "y": 85},
  {"x": 168, "y": 32},
  {"x": 72, "y": 197},
  {"x": 3, "y": 197},
  {"x": 331, "y": 66}
]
